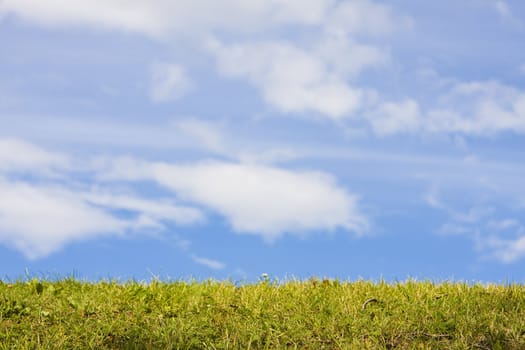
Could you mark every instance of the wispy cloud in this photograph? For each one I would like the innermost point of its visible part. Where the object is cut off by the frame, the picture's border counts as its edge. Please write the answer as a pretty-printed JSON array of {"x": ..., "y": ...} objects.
[
  {"x": 206, "y": 133},
  {"x": 496, "y": 239},
  {"x": 17, "y": 155},
  {"x": 393, "y": 118},
  {"x": 509, "y": 251},
  {"x": 151, "y": 211},
  {"x": 478, "y": 108},
  {"x": 169, "y": 82},
  {"x": 364, "y": 17},
  {"x": 171, "y": 134},
  {"x": 210, "y": 263},
  {"x": 504, "y": 10},
  {"x": 159, "y": 18}
]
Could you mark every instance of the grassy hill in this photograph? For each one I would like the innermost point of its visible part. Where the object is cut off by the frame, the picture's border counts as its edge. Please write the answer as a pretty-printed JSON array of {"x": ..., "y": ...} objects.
[{"x": 313, "y": 314}]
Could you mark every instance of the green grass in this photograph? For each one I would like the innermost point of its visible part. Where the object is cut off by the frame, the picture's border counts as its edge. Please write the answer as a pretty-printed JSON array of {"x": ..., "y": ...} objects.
[{"x": 314, "y": 314}]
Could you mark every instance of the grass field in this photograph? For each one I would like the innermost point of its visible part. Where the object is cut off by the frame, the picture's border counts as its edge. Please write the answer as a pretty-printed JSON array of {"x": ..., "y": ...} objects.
[{"x": 313, "y": 314}]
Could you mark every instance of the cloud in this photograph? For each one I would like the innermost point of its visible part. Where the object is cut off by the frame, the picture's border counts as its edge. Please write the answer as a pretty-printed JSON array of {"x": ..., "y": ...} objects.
[
  {"x": 296, "y": 80},
  {"x": 505, "y": 12},
  {"x": 256, "y": 199},
  {"x": 212, "y": 264},
  {"x": 206, "y": 133},
  {"x": 479, "y": 108},
  {"x": 159, "y": 18},
  {"x": 502, "y": 8},
  {"x": 103, "y": 14},
  {"x": 151, "y": 212},
  {"x": 264, "y": 200},
  {"x": 314, "y": 77},
  {"x": 509, "y": 251},
  {"x": 39, "y": 220},
  {"x": 291, "y": 79},
  {"x": 51, "y": 207},
  {"x": 169, "y": 82},
  {"x": 432, "y": 199},
  {"x": 497, "y": 239},
  {"x": 364, "y": 17},
  {"x": 392, "y": 118},
  {"x": 348, "y": 58},
  {"x": 172, "y": 134},
  {"x": 16, "y": 155},
  {"x": 504, "y": 240}
]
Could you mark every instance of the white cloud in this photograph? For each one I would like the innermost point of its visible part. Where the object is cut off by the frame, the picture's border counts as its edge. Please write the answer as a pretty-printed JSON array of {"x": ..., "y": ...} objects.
[
  {"x": 510, "y": 251},
  {"x": 19, "y": 155},
  {"x": 264, "y": 200},
  {"x": 210, "y": 263},
  {"x": 40, "y": 216},
  {"x": 182, "y": 133},
  {"x": 255, "y": 199},
  {"x": 348, "y": 58},
  {"x": 151, "y": 211},
  {"x": 105, "y": 14},
  {"x": 496, "y": 239},
  {"x": 363, "y": 17},
  {"x": 169, "y": 82},
  {"x": 158, "y": 18},
  {"x": 313, "y": 77},
  {"x": 504, "y": 240},
  {"x": 474, "y": 108},
  {"x": 39, "y": 220},
  {"x": 392, "y": 118},
  {"x": 291, "y": 79},
  {"x": 479, "y": 108}
]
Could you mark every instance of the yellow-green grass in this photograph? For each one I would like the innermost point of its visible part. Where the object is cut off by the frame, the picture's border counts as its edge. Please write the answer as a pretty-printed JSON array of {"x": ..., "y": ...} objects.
[{"x": 313, "y": 314}]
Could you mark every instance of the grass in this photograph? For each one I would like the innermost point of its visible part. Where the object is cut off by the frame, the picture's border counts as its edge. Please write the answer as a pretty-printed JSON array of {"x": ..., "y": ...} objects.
[{"x": 313, "y": 314}]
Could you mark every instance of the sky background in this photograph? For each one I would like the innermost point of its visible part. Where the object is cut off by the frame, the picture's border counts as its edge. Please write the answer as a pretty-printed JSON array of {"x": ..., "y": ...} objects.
[{"x": 226, "y": 139}]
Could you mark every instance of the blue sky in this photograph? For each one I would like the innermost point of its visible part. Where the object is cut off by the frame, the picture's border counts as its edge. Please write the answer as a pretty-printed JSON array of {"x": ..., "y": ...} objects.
[{"x": 226, "y": 139}]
